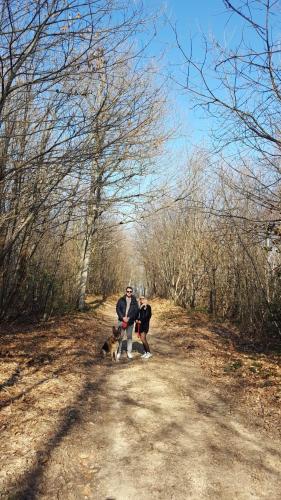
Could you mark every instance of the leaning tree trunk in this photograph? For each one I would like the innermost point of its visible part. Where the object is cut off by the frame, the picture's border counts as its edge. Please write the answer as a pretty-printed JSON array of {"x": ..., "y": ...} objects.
[
  {"x": 93, "y": 215},
  {"x": 85, "y": 264}
]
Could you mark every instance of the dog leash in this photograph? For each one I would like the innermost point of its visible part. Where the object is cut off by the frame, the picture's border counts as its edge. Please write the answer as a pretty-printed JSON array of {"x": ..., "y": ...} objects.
[{"x": 138, "y": 329}]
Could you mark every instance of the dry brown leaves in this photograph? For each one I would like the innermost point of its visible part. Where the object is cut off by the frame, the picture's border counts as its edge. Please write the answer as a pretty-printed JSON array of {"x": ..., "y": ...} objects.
[
  {"x": 252, "y": 380},
  {"x": 46, "y": 380},
  {"x": 43, "y": 381}
]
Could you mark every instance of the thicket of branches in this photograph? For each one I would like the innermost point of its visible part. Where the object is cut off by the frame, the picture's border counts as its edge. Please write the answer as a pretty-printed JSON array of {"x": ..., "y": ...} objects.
[
  {"x": 222, "y": 252},
  {"x": 237, "y": 84},
  {"x": 80, "y": 124},
  {"x": 216, "y": 264}
]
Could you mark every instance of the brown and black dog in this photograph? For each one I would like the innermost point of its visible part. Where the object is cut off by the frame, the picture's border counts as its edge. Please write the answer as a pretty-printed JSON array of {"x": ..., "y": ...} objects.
[{"x": 111, "y": 344}]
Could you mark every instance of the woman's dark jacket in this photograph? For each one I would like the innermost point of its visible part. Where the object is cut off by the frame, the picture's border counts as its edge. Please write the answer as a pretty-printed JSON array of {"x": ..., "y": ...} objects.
[
  {"x": 144, "y": 316},
  {"x": 133, "y": 309}
]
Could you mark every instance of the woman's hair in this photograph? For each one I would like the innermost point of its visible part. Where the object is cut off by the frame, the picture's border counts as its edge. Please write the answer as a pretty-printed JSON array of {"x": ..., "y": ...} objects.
[{"x": 143, "y": 298}]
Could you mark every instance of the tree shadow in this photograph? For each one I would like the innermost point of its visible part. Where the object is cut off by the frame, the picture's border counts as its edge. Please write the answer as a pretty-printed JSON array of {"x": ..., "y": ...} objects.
[
  {"x": 138, "y": 347},
  {"x": 24, "y": 392},
  {"x": 11, "y": 380},
  {"x": 192, "y": 325},
  {"x": 173, "y": 437},
  {"x": 180, "y": 435},
  {"x": 246, "y": 344},
  {"x": 27, "y": 487}
]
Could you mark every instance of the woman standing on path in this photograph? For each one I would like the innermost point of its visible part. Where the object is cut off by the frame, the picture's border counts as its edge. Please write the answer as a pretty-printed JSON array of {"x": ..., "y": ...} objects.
[{"x": 142, "y": 325}]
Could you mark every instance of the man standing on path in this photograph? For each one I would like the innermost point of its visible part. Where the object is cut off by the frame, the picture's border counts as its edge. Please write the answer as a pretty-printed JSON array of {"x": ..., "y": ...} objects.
[{"x": 127, "y": 311}]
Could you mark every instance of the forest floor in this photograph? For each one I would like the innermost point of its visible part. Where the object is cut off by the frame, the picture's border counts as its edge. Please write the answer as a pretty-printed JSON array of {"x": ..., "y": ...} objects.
[{"x": 199, "y": 420}]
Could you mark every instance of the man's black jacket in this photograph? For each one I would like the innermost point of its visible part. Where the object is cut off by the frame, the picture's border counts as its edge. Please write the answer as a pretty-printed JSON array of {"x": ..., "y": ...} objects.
[{"x": 133, "y": 309}]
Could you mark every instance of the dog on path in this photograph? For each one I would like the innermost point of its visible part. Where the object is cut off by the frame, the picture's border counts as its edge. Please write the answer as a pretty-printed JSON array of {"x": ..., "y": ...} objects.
[{"x": 111, "y": 344}]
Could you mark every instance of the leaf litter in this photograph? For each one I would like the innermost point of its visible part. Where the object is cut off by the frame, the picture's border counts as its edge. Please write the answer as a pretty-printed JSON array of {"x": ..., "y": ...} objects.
[
  {"x": 251, "y": 379},
  {"x": 47, "y": 388}
]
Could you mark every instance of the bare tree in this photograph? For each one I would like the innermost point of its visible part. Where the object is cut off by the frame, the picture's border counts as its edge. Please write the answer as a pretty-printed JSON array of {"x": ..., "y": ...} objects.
[
  {"x": 239, "y": 87},
  {"x": 203, "y": 259},
  {"x": 61, "y": 158},
  {"x": 126, "y": 137}
]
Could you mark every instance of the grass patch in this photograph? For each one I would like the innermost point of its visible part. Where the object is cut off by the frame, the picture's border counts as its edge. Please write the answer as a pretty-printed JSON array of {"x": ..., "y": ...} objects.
[{"x": 233, "y": 366}]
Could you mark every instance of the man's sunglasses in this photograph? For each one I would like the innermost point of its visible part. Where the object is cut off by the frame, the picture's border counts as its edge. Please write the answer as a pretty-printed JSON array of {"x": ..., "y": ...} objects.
[{"x": 129, "y": 291}]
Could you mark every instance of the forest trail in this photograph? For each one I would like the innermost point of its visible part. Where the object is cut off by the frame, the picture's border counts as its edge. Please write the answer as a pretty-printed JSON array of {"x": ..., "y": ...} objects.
[{"x": 152, "y": 429}]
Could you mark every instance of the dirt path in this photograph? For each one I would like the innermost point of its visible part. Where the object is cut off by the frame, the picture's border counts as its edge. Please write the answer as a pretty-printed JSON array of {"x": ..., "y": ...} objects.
[{"x": 155, "y": 429}]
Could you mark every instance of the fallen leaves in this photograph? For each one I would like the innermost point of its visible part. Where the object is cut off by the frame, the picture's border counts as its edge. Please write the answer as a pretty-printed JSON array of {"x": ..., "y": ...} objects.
[
  {"x": 46, "y": 376},
  {"x": 44, "y": 384},
  {"x": 252, "y": 380}
]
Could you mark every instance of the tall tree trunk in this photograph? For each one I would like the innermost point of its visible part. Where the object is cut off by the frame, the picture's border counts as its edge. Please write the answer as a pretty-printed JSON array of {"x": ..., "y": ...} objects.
[{"x": 85, "y": 264}]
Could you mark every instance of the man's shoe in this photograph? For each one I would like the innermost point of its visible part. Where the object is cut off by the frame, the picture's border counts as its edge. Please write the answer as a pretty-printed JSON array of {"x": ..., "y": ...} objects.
[
  {"x": 144, "y": 355},
  {"x": 129, "y": 355},
  {"x": 148, "y": 355},
  {"x": 118, "y": 355}
]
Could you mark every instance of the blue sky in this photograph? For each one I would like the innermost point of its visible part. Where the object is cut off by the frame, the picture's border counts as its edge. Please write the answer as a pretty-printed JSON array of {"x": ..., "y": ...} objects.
[{"x": 191, "y": 17}]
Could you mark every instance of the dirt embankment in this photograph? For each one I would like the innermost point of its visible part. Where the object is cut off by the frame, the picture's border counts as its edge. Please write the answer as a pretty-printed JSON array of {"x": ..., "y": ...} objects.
[{"x": 198, "y": 420}]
